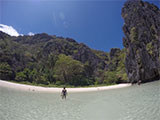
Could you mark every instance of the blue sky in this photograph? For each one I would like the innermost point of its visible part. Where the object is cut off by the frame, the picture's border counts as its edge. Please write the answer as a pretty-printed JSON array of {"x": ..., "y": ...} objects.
[{"x": 98, "y": 24}]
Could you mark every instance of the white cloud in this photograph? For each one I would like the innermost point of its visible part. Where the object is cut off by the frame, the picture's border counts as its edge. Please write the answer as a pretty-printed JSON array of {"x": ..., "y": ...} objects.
[
  {"x": 30, "y": 34},
  {"x": 9, "y": 30}
]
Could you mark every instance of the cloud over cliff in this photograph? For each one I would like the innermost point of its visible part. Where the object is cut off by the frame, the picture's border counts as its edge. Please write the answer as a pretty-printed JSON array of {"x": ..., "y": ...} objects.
[{"x": 9, "y": 30}]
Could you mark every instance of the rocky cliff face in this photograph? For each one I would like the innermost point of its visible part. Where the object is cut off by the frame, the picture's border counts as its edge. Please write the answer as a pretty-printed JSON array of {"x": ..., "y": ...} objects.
[
  {"x": 58, "y": 45},
  {"x": 113, "y": 54},
  {"x": 33, "y": 59},
  {"x": 142, "y": 40}
]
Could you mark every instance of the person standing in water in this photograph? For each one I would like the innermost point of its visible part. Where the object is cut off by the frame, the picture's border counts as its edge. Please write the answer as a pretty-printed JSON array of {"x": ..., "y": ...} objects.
[
  {"x": 64, "y": 93},
  {"x": 139, "y": 82}
]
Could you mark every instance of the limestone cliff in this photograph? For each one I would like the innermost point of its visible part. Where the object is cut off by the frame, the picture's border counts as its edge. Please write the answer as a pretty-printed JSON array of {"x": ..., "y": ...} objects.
[{"x": 142, "y": 40}]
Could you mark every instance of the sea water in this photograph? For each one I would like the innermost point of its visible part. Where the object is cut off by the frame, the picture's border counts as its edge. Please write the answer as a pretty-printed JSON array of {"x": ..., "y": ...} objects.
[{"x": 131, "y": 103}]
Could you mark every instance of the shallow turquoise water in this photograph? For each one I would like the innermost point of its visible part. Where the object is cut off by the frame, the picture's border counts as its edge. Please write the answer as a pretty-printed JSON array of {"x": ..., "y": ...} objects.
[{"x": 132, "y": 103}]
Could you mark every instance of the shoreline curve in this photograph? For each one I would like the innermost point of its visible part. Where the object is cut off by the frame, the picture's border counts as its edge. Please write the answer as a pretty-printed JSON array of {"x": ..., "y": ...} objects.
[{"x": 23, "y": 87}]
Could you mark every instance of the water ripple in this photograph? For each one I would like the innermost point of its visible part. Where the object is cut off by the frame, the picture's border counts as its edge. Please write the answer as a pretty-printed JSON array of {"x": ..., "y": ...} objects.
[{"x": 133, "y": 103}]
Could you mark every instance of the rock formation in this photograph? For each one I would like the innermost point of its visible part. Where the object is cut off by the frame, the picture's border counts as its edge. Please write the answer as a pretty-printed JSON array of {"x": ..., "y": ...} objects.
[{"x": 142, "y": 40}]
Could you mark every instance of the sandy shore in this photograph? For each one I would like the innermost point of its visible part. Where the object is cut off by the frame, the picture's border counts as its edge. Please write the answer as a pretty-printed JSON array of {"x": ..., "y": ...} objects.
[{"x": 31, "y": 88}]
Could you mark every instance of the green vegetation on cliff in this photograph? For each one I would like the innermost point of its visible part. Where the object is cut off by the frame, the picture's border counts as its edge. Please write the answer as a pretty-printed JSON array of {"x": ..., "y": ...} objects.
[
  {"x": 142, "y": 40},
  {"x": 51, "y": 60},
  {"x": 45, "y": 59}
]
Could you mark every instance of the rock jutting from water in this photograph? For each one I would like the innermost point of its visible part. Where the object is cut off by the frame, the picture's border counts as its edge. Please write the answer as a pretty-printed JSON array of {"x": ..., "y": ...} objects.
[{"x": 142, "y": 40}]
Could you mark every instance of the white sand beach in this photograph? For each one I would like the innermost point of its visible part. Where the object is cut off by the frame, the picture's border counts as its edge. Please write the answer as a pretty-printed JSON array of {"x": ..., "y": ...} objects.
[{"x": 31, "y": 88}]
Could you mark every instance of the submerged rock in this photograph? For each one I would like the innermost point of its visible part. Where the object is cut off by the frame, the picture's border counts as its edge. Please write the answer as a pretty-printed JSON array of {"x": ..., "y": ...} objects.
[{"x": 142, "y": 40}]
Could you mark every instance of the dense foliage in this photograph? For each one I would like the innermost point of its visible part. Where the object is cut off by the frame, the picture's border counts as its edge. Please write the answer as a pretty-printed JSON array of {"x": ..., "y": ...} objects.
[{"x": 46, "y": 59}]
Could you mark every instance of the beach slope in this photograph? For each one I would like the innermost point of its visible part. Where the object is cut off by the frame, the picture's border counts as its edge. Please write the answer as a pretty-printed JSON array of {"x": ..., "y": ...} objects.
[{"x": 23, "y": 87}]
